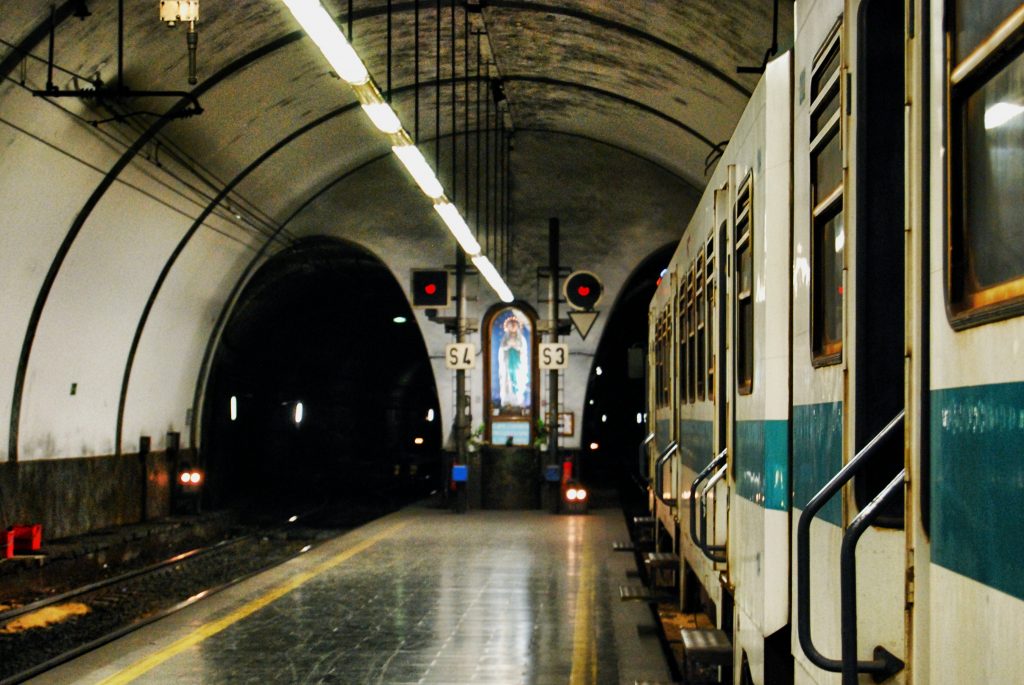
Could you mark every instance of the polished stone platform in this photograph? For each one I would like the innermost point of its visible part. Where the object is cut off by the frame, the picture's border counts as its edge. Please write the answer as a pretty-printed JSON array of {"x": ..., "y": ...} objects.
[{"x": 420, "y": 596}]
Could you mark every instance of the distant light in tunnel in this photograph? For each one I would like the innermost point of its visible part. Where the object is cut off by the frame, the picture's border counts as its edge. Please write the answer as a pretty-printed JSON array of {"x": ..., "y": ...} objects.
[
  {"x": 234, "y": 408},
  {"x": 430, "y": 415},
  {"x": 298, "y": 413},
  {"x": 591, "y": 403},
  {"x": 594, "y": 446},
  {"x": 599, "y": 371},
  {"x": 399, "y": 319},
  {"x": 604, "y": 418},
  {"x": 293, "y": 519},
  {"x": 418, "y": 441},
  {"x": 639, "y": 417}
]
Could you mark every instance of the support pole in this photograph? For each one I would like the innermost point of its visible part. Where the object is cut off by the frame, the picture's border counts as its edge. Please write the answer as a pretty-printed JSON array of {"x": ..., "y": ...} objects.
[{"x": 553, "y": 230}]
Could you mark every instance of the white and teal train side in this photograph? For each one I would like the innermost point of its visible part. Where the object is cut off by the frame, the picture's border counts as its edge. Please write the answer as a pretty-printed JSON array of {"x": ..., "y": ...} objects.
[{"x": 842, "y": 325}]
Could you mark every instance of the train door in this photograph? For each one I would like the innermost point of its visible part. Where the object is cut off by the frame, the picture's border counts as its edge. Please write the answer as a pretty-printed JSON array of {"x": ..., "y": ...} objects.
[{"x": 877, "y": 316}]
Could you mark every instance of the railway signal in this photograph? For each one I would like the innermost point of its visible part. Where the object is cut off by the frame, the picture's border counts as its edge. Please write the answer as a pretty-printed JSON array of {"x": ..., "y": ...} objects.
[
  {"x": 582, "y": 290},
  {"x": 430, "y": 288}
]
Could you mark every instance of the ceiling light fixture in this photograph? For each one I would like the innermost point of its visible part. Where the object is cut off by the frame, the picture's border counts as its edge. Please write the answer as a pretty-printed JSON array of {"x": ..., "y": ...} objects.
[{"x": 322, "y": 30}]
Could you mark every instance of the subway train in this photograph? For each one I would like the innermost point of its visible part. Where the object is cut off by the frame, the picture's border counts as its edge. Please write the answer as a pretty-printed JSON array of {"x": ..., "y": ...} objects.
[{"x": 836, "y": 357}]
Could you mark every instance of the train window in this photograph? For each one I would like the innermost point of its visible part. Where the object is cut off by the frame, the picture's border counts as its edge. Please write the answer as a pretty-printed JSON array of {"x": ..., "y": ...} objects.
[
  {"x": 684, "y": 339},
  {"x": 698, "y": 277},
  {"x": 828, "y": 236},
  {"x": 691, "y": 388},
  {"x": 709, "y": 328},
  {"x": 986, "y": 255},
  {"x": 743, "y": 222},
  {"x": 660, "y": 372}
]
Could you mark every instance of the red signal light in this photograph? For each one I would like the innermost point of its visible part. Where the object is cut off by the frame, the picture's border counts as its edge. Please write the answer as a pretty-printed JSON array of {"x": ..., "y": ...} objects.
[{"x": 430, "y": 288}]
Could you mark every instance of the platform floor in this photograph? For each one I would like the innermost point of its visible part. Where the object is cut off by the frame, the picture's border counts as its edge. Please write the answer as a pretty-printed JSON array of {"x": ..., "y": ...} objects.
[{"x": 420, "y": 596}]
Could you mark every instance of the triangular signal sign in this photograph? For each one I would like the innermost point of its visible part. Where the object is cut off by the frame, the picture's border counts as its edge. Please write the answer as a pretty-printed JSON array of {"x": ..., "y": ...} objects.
[{"x": 583, "y": 321}]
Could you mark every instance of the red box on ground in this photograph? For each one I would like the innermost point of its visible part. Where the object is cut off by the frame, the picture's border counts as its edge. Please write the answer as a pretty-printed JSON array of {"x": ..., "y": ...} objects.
[{"x": 23, "y": 538}]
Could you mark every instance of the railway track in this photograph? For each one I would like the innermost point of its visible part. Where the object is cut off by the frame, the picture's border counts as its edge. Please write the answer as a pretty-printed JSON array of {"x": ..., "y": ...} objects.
[{"x": 100, "y": 612}]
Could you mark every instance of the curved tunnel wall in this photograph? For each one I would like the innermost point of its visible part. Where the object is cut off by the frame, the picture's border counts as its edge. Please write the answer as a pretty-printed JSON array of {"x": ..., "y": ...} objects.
[{"x": 53, "y": 161}]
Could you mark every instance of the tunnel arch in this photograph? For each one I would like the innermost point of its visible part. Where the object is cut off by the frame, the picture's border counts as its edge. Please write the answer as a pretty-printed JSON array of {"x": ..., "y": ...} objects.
[
  {"x": 317, "y": 325},
  {"x": 616, "y": 393}
]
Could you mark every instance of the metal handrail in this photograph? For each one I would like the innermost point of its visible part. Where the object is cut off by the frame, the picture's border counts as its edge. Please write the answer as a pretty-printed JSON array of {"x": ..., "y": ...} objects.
[
  {"x": 716, "y": 463},
  {"x": 881, "y": 664},
  {"x": 710, "y": 549},
  {"x": 848, "y": 587},
  {"x": 645, "y": 479},
  {"x": 659, "y": 479}
]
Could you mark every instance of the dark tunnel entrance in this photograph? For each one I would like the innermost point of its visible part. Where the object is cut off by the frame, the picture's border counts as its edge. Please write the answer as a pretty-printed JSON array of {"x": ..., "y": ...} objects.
[
  {"x": 321, "y": 391},
  {"x": 615, "y": 398}
]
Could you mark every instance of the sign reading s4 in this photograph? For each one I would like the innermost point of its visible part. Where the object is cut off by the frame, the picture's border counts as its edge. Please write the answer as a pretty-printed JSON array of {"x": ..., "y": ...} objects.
[
  {"x": 460, "y": 356},
  {"x": 554, "y": 356}
]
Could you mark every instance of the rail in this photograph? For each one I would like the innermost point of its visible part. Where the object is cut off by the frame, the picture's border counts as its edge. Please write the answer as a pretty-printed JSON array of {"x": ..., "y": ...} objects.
[
  {"x": 884, "y": 664},
  {"x": 645, "y": 478},
  {"x": 659, "y": 474},
  {"x": 713, "y": 552}
]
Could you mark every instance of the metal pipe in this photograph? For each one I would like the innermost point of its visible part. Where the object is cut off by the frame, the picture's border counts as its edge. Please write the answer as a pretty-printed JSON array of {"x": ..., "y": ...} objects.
[
  {"x": 642, "y": 459},
  {"x": 716, "y": 463},
  {"x": 659, "y": 478},
  {"x": 554, "y": 237},
  {"x": 192, "y": 43}
]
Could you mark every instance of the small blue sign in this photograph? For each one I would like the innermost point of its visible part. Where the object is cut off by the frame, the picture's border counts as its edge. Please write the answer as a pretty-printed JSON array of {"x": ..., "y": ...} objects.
[
  {"x": 460, "y": 473},
  {"x": 552, "y": 473}
]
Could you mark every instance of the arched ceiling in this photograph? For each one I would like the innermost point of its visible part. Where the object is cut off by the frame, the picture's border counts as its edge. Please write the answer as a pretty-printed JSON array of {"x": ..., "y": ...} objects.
[{"x": 656, "y": 78}]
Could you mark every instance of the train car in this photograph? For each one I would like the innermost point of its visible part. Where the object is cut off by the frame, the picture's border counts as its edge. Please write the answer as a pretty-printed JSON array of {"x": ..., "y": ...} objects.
[
  {"x": 720, "y": 392},
  {"x": 837, "y": 374}
]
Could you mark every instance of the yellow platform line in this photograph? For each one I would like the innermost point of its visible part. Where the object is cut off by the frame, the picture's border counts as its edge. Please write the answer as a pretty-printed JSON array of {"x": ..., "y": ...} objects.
[
  {"x": 142, "y": 667},
  {"x": 584, "y": 639}
]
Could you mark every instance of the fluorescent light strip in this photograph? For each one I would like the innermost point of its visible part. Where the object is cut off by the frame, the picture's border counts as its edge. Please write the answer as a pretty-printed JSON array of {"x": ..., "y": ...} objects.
[
  {"x": 417, "y": 166},
  {"x": 493, "y": 278},
  {"x": 457, "y": 225},
  {"x": 322, "y": 30}
]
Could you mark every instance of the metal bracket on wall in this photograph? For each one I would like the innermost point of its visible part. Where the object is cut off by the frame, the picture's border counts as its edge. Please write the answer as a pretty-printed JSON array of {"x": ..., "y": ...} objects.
[{"x": 104, "y": 94}]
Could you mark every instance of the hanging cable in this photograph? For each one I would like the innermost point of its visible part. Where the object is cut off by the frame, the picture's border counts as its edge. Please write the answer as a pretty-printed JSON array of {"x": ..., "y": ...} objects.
[
  {"x": 465, "y": 106},
  {"x": 476, "y": 138},
  {"x": 437, "y": 91},
  {"x": 487, "y": 162},
  {"x": 455, "y": 114},
  {"x": 416, "y": 75},
  {"x": 387, "y": 94}
]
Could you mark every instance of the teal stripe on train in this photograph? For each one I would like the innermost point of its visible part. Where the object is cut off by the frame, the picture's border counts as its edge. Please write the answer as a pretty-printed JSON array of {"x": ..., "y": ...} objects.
[
  {"x": 695, "y": 444},
  {"x": 977, "y": 493},
  {"x": 817, "y": 454},
  {"x": 762, "y": 463}
]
